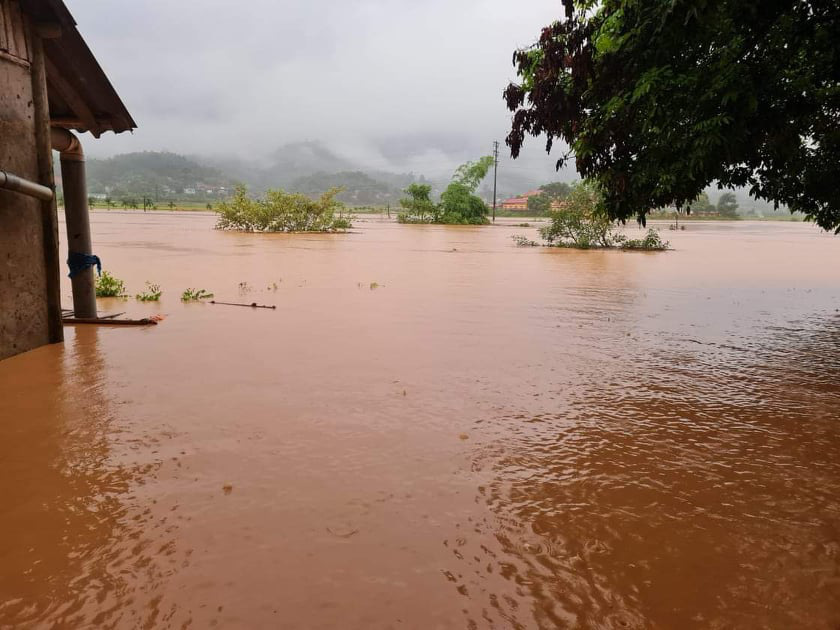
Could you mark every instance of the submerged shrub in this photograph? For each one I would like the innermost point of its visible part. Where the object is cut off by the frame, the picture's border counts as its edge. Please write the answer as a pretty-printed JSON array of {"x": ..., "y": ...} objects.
[
  {"x": 280, "y": 211},
  {"x": 651, "y": 241},
  {"x": 151, "y": 294},
  {"x": 109, "y": 286},
  {"x": 418, "y": 206},
  {"x": 524, "y": 241},
  {"x": 580, "y": 223},
  {"x": 193, "y": 295}
]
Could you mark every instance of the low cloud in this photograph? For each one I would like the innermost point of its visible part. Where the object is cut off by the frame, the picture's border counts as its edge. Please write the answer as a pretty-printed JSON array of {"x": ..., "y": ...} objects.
[{"x": 394, "y": 85}]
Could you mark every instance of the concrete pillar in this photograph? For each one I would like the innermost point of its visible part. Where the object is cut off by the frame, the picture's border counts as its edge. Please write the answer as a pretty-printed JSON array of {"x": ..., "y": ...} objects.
[{"x": 77, "y": 217}]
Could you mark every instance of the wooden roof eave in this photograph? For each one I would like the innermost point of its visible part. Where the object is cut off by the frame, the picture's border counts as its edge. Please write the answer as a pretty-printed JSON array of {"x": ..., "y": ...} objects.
[{"x": 81, "y": 95}]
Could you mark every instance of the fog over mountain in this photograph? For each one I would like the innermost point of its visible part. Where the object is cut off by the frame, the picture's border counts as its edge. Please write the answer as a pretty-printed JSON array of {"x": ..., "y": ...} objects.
[
  {"x": 383, "y": 85},
  {"x": 307, "y": 167}
]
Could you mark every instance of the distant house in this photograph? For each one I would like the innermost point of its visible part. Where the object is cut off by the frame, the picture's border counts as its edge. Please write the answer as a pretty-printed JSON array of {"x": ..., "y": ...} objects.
[
  {"x": 520, "y": 203},
  {"x": 189, "y": 191},
  {"x": 50, "y": 85}
]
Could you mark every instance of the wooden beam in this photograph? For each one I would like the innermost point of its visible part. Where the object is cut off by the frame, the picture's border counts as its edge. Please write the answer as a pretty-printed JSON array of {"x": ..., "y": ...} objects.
[
  {"x": 48, "y": 30},
  {"x": 65, "y": 90},
  {"x": 49, "y": 214}
]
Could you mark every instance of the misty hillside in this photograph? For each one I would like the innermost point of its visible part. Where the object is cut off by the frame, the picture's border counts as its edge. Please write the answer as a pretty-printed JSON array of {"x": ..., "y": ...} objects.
[
  {"x": 157, "y": 175},
  {"x": 310, "y": 168},
  {"x": 359, "y": 189},
  {"x": 305, "y": 167}
]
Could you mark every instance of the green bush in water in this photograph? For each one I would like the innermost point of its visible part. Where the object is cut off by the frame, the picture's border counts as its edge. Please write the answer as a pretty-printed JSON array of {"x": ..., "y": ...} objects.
[
  {"x": 583, "y": 224},
  {"x": 109, "y": 286},
  {"x": 194, "y": 295},
  {"x": 151, "y": 294},
  {"x": 651, "y": 241},
  {"x": 280, "y": 211}
]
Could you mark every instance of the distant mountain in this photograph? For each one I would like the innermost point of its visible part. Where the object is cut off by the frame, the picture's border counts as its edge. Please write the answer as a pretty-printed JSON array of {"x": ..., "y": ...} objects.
[
  {"x": 359, "y": 189},
  {"x": 300, "y": 159},
  {"x": 156, "y": 174},
  {"x": 310, "y": 168}
]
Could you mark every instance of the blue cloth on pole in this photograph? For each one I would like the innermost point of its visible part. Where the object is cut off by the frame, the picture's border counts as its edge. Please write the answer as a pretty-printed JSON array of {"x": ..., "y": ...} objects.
[{"x": 79, "y": 262}]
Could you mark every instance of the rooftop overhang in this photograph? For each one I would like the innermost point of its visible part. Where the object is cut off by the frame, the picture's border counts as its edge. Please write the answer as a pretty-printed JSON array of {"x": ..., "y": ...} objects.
[{"x": 80, "y": 95}]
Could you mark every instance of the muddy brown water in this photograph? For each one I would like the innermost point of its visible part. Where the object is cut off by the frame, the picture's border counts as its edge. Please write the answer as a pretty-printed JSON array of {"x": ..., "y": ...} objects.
[{"x": 491, "y": 437}]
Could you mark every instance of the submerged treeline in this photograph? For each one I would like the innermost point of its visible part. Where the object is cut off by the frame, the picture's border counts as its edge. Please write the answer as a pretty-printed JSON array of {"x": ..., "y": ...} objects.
[
  {"x": 280, "y": 211},
  {"x": 458, "y": 203}
]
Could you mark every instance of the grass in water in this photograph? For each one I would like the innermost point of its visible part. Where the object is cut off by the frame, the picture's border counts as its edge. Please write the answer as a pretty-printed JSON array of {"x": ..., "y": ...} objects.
[{"x": 151, "y": 294}]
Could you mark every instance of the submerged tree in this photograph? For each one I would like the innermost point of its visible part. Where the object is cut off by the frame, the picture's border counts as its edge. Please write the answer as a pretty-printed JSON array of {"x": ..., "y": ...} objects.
[
  {"x": 581, "y": 223},
  {"x": 458, "y": 203},
  {"x": 727, "y": 205},
  {"x": 702, "y": 204},
  {"x": 419, "y": 203},
  {"x": 658, "y": 99}
]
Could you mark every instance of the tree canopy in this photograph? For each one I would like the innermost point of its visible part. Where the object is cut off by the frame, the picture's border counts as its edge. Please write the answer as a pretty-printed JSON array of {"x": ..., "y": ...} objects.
[
  {"x": 556, "y": 190},
  {"x": 727, "y": 205},
  {"x": 539, "y": 204},
  {"x": 658, "y": 99},
  {"x": 458, "y": 203}
]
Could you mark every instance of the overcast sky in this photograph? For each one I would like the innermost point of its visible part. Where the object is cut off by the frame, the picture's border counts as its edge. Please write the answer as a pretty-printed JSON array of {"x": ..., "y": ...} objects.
[{"x": 399, "y": 84}]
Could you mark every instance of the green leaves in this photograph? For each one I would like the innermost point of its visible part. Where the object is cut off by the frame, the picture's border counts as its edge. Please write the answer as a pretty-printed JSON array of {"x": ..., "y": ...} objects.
[
  {"x": 280, "y": 211},
  {"x": 470, "y": 174},
  {"x": 195, "y": 295},
  {"x": 458, "y": 204},
  {"x": 419, "y": 206},
  {"x": 109, "y": 286},
  {"x": 658, "y": 99},
  {"x": 151, "y": 294}
]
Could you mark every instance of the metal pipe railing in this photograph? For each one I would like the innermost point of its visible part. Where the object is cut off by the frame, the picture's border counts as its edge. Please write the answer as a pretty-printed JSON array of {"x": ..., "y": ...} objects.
[{"x": 24, "y": 186}]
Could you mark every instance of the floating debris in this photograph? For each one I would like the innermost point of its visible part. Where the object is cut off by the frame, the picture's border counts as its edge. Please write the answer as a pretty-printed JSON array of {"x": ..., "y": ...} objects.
[
  {"x": 343, "y": 535},
  {"x": 110, "y": 321},
  {"x": 252, "y": 304}
]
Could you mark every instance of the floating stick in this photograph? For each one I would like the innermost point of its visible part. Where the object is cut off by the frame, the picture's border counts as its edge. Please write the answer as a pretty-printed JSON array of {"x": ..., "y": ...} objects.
[
  {"x": 252, "y": 304},
  {"x": 109, "y": 322}
]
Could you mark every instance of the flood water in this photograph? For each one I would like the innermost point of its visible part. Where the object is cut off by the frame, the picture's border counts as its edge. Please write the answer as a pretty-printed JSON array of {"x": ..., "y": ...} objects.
[{"x": 487, "y": 437}]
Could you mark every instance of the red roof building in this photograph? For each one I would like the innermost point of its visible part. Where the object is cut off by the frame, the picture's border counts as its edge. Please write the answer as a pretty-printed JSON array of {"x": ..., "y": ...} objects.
[{"x": 520, "y": 203}]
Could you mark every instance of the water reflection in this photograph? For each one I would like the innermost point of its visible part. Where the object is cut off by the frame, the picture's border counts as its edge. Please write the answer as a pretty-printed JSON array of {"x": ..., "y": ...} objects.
[
  {"x": 72, "y": 541},
  {"x": 690, "y": 498}
]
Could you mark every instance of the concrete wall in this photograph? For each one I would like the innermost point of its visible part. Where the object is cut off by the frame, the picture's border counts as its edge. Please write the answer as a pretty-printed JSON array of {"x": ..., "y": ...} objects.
[{"x": 23, "y": 290}]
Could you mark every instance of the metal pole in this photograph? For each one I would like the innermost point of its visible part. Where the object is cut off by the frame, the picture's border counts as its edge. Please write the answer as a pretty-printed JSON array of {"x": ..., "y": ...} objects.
[
  {"x": 24, "y": 186},
  {"x": 495, "y": 170}
]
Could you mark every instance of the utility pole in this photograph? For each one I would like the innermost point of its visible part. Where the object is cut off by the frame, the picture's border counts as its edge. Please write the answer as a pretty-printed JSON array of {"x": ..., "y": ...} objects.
[{"x": 495, "y": 170}]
